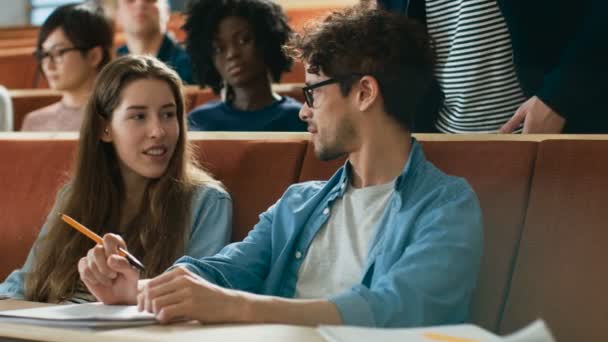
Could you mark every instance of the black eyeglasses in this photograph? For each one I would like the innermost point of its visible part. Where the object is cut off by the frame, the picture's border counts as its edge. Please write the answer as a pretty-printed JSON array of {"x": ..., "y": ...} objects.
[
  {"x": 56, "y": 56},
  {"x": 308, "y": 90}
]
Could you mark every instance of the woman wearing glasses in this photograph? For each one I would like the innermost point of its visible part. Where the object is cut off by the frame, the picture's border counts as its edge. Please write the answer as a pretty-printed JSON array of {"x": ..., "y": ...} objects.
[
  {"x": 236, "y": 48},
  {"x": 74, "y": 44}
]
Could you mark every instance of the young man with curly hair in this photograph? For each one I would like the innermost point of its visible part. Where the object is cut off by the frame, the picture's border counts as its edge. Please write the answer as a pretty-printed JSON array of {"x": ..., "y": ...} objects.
[
  {"x": 236, "y": 47},
  {"x": 388, "y": 241}
]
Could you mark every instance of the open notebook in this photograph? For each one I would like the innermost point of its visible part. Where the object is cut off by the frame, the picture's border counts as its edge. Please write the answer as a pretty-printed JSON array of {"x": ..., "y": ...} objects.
[{"x": 90, "y": 315}]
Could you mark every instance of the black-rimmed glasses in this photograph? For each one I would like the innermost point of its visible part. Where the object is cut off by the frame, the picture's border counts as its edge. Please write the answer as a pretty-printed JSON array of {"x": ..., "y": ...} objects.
[
  {"x": 56, "y": 56},
  {"x": 308, "y": 90}
]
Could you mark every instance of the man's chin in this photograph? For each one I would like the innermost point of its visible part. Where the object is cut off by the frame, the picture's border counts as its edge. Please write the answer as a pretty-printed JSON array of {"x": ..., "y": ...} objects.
[{"x": 327, "y": 155}]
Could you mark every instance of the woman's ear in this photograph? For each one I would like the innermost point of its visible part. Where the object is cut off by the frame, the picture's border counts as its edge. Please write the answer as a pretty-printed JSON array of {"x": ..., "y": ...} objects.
[{"x": 106, "y": 133}]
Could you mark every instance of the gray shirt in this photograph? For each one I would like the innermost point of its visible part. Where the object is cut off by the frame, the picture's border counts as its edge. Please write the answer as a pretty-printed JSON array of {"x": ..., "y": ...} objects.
[
  {"x": 337, "y": 255},
  {"x": 55, "y": 117}
]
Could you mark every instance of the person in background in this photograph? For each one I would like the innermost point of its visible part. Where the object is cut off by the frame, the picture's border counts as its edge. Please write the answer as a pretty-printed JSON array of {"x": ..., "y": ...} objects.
[
  {"x": 74, "y": 44},
  {"x": 515, "y": 65},
  {"x": 236, "y": 48},
  {"x": 6, "y": 110},
  {"x": 388, "y": 241},
  {"x": 134, "y": 175},
  {"x": 144, "y": 23}
]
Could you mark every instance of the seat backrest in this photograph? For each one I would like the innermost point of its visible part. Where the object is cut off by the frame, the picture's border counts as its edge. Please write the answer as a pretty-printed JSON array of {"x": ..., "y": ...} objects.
[
  {"x": 255, "y": 173},
  {"x": 500, "y": 173},
  {"x": 203, "y": 96},
  {"x": 560, "y": 273},
  {"x": 18, "y": 42},
  {"x": 314, "y": 169},
  {"x": 17, "y": 67},
  {"x": 16, "y": 32},
  {"x": 30, "y": 175}
]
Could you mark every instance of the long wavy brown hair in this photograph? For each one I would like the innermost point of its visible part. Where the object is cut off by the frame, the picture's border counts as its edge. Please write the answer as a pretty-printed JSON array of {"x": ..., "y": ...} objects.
[{"x": 95, "y": 195}]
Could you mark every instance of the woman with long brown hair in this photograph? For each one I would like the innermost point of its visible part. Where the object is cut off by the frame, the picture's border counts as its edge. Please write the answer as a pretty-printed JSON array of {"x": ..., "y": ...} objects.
[{"x": 135, "y": 176}]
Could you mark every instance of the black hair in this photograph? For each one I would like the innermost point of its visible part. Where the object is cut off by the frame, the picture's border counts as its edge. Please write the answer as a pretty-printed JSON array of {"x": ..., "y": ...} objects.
[
  {"x": 270, "y": 30},
  {"x": 85, "y": 25}
]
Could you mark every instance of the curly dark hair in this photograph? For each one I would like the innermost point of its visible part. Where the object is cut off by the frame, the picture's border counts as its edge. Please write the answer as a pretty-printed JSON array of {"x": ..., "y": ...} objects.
[
  {"x": 270, "y": 30},
  {"x": 392, "y": 48}
]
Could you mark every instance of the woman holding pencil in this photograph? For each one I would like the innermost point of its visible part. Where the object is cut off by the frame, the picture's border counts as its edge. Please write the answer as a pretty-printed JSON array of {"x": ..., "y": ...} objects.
[{"x": 135, "y": 176}]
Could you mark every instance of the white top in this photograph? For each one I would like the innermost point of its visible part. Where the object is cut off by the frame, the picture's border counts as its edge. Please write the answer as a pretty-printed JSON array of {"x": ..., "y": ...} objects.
[
  {"x": 335, "y": 259},
  {"x": 6, "y": 110},
  {"x": 475, "y": 66}
]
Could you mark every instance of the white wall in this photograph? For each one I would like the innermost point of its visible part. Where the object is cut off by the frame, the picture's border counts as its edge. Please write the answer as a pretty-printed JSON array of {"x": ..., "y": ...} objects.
[{"x": 13, "y": 12}]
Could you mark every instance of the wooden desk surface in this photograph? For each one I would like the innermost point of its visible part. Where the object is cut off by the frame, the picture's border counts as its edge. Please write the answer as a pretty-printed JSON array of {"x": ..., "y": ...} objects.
[{"x": 183, "y": 332}]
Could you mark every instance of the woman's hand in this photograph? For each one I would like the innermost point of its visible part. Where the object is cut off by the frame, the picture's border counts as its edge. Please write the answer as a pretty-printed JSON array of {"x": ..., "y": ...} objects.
[{"x": 109, "y": 276}]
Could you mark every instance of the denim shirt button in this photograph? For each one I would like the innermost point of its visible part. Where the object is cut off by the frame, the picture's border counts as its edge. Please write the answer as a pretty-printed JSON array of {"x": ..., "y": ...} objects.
[
  {"x": 298, "y": 255},
  {"x": 325, "y": 211}
]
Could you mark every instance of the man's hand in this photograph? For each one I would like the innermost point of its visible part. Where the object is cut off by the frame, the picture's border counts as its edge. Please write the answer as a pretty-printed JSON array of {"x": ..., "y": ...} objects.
[
  {"x": 537, "y": 118},
  {"x": 180, "y": 294},
  {"x": 109, "y": 276}
]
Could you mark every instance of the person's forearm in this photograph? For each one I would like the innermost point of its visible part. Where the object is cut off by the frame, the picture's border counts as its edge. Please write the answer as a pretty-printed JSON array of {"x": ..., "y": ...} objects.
[{"x": 267, "y": 309}]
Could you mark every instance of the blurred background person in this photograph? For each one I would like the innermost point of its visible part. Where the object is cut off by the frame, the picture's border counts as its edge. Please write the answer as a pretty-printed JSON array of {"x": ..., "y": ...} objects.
[
  {"x": 74, "y": 44},
  {"x": 236, "y": 48},
  {"x": 514, "y": 65},
  {"x": 144, "y": 23}
]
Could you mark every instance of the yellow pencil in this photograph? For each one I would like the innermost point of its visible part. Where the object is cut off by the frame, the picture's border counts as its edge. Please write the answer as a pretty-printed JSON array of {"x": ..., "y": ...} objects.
[
  {"x": 446, "y": 338},
  {"x": 93, "y": 236}
]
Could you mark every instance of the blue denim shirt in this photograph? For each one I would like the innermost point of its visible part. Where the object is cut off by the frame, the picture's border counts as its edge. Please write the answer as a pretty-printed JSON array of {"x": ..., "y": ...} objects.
[
  {"x": 422, "y": 265},
  {"x": 210, "y": 232}
]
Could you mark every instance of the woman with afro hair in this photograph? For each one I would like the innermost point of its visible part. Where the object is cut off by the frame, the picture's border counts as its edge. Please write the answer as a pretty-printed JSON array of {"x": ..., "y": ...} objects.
[{"x": 236, "y": 49}]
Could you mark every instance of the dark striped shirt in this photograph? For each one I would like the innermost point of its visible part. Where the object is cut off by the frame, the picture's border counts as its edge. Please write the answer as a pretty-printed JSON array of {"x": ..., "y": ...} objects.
[{"x": 474, "y": 65}]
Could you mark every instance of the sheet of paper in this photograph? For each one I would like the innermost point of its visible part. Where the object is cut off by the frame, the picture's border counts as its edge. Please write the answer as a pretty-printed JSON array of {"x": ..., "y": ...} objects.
[
  {"x": 453, "y": 333},
  {"x": 535, "y": 332},
  {"x": 80, "y": 315}
]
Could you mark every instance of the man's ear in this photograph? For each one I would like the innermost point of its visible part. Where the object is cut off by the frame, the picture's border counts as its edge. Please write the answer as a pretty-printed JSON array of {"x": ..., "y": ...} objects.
[{"x": 368, "y": 92}]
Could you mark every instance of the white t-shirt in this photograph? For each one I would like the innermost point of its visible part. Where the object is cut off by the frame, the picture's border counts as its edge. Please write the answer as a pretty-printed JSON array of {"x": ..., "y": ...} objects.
[{"x": 335, "y": 259}]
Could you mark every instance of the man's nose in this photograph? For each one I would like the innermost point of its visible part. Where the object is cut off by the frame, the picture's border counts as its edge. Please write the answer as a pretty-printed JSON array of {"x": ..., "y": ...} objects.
[{"x": 305, "y": 112}]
